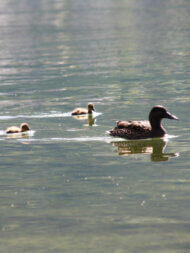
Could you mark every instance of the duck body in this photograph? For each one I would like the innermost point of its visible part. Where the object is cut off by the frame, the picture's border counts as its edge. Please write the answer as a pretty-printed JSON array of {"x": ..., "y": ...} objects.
[
  {"x": 135, "y": 130},
  {"x": 143, "y": 129},
  {"x": 81, "y": 111},
  {"x": 14, "y": 129}
]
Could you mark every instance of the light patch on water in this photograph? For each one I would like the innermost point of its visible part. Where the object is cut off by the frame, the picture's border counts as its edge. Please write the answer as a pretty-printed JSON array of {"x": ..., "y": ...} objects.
[
  {"x": 96, "y": 114},
  {"x": 74, "y": 129},
  {"x": 168, "y": 136},
  {"x": 77, "y": 139},
  {"x": 2, "y": 132},
  {"x": 42, "y": 115}
]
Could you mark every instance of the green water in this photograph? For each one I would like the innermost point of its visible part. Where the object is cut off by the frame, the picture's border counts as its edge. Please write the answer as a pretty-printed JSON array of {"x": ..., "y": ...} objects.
[{"x": 68, "y": 186}]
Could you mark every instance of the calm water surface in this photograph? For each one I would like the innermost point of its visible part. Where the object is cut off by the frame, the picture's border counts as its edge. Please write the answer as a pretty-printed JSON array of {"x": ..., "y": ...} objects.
[{"x": 67, "y": 186}]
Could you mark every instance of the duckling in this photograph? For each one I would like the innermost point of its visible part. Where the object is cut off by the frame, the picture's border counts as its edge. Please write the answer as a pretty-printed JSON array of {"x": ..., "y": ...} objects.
[
  {"x": 14, "y": 129},
  {"x": 80, "y": 111},
  {"x": 143, "y": 129}
]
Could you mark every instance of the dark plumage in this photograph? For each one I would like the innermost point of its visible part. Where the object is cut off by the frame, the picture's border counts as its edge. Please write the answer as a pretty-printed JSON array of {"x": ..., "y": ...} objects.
[
  {"x": 14, "y": 129},
  {"x": 80, "y": 111},
  {"x": 143, "y": 129}
]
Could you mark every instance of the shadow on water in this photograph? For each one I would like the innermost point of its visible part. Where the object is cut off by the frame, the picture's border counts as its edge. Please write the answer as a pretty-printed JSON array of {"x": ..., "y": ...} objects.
[{"x": 154, "y": 147}]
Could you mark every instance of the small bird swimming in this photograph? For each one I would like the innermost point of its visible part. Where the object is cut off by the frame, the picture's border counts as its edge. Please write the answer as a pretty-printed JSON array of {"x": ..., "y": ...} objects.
[
  {"x": 80, "y": 111},
  {"x": 143, "y": 129},
  {"x": 14, "y": 129}
]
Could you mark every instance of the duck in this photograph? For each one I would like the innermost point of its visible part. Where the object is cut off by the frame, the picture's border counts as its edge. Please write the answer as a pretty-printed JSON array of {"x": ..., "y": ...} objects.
[
  {"x": 143, "y": 129},
  {"x": 81, "y": 111},
  {"x": 14, "y": 129}
]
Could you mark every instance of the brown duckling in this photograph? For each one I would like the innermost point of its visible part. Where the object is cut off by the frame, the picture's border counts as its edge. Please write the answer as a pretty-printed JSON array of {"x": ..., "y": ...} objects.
[
  {"x": 14, "y": 129},
  {"x": 144, "y": 129},
  {"x": 80, "y": 111}
]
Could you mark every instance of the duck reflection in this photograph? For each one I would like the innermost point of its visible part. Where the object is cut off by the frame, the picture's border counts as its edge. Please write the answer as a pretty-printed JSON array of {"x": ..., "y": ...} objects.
[
  {"x": 89, "y": 117},
  {"x": 154, "y": 147}
]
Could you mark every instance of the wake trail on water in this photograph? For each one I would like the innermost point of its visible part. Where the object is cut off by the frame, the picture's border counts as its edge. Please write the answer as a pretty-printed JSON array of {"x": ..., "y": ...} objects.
[{"x": 42, "y": 115}]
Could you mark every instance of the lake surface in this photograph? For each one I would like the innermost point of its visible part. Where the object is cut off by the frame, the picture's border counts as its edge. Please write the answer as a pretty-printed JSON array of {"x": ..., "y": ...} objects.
[{"x": 68, "y": 186}]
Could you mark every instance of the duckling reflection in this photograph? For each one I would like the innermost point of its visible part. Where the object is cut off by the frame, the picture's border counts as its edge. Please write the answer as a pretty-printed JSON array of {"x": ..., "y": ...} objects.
[
  {"x": 89, "y": 117},
  {"x": 25, "y": 136},
  {"x": 18, "y": 135},
  {"x": 154, "y": 147}
]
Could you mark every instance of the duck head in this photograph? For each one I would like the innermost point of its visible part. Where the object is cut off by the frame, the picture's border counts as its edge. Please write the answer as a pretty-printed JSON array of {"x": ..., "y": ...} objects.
[
  {"x": 24, "y": 127},
  {"x": 91, "y": 107},
  {"x": 158, "y": 113}
]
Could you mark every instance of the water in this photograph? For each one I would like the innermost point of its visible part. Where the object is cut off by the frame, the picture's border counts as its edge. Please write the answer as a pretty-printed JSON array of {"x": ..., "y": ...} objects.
[{"x": 67, "y": 186}]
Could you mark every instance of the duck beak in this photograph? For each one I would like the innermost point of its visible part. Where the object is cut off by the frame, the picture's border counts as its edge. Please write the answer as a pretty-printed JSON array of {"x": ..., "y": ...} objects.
[{"x": 170, "y": 116}]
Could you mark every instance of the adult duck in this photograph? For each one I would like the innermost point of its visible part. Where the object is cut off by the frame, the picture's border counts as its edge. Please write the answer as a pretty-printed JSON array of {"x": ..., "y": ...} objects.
[
  {"x": 14, "y": 129},
  {"x": 81, "y": 111},
  {"x": 144, "y": 129}
]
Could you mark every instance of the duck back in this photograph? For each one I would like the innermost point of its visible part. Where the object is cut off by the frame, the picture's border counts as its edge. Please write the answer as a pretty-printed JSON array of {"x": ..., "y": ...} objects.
[
  {"x": 79, "y": 111},
  {"x": 132, "y": 130},
  {"x": 13, "y": 129}
]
